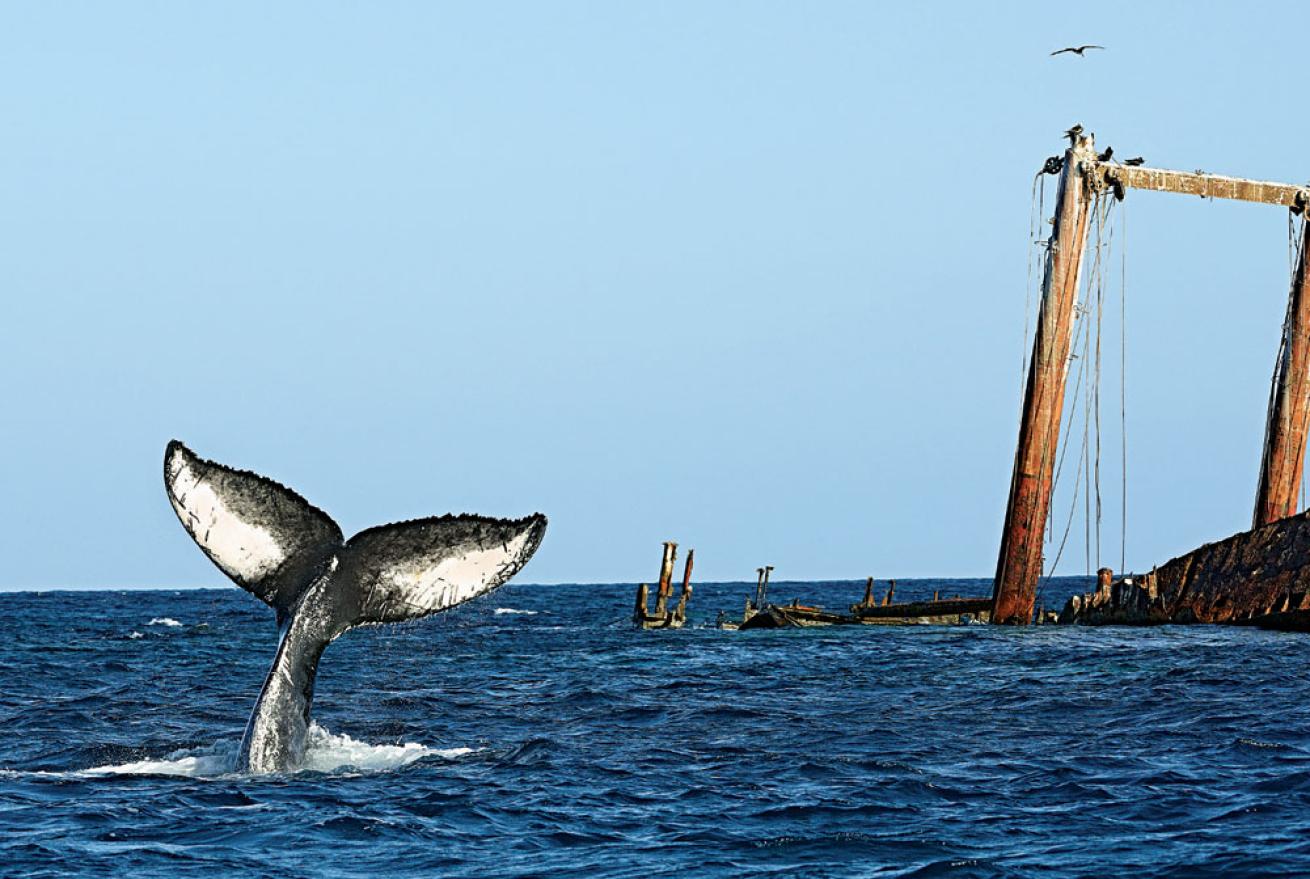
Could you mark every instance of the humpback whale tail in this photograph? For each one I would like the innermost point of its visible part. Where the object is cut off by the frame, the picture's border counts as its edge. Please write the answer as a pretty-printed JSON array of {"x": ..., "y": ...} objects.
[{"x": 290, "y": 554}]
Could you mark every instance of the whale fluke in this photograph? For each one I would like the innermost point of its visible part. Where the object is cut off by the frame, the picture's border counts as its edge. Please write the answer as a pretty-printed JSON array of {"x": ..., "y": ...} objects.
[
  {"x": 265, "y": 537},
  {"x": 413, "y": 569},
  {"x": 290, "y": 554}
]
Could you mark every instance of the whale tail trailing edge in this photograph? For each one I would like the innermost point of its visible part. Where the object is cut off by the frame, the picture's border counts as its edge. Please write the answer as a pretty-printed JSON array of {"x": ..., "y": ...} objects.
[{"x": 275, "y": 544}]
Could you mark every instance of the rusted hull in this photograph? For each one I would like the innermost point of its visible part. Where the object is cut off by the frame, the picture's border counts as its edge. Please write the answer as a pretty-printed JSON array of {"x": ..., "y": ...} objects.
[
  {"x": 926, "y": 612},
  {"x": 774, "y": 617},
  {"x": 1259, "y": 577},
  {"x": 920, "y": 613},
  {"x": 667, "y": 621}
]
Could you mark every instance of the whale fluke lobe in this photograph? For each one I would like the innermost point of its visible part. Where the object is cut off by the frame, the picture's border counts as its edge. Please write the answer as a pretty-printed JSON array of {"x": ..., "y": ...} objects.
[
  {"x": 413, "y": 569},
  {"x": 273, "y": 543},
  {"x": 265, "y": 537}
]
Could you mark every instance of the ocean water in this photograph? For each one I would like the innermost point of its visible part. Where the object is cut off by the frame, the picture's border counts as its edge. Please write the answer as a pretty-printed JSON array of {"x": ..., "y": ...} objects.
[{"x": 533, "y": 733}]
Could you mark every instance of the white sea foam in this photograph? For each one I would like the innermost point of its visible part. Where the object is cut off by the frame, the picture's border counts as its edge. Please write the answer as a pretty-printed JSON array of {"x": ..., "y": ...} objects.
[
  {"x": 135, "y": 635},
  {"x": 163, "y": 621},
  {"x": 500, "y": 610},
  {"x": 324, "y": 752},
  {"x": 217, "y": 759}
]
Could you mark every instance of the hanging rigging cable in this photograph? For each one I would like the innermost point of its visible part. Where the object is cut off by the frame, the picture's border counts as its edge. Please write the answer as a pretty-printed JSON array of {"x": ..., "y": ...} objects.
[
  {"x": 1296, "y": 236},
  {"x": 1101, "y": 228},
  {"x": 1036, "y": 209},
  {"x": 1123, "y": 386},
  {"x": 1086, "y": 393},
  {"x": 1293, "y": 250}
]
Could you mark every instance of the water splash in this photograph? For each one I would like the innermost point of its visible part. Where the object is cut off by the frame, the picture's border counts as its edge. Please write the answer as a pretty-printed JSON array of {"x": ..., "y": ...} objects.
[
  {"x": 325, "y": 752},
  {"x": 216, "y": 759}
]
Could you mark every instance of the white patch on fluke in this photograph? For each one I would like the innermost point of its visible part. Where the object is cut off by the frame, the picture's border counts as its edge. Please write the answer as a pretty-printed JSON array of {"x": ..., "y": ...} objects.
[
  {"x": 454, "y": 579},
  {"x": 242, "y": 549}
]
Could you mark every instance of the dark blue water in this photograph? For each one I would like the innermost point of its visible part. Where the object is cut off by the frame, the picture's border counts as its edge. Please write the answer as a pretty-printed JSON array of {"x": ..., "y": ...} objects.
[{"x": 561, "y": 743}]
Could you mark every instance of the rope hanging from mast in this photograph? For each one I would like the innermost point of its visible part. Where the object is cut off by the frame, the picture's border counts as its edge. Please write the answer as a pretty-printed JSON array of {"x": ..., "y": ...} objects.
[{"x": 1086, "y": 397}]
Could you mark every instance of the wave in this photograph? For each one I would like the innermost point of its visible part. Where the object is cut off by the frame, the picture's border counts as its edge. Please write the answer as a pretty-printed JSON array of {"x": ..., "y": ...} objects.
[
  {"x": 163, "y": 621},
  {"x": 325, "y": 752},
  {"x": 501, "y": 610}
]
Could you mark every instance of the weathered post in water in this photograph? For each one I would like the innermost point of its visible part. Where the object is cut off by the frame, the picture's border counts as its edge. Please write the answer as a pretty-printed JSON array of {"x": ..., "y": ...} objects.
[
  {"x": 639, "y": 612},
  {"x": 1020, "y": 560},
  {"x": 764, "y": 586},
  {"x": 1289, "y": 407},
  {"x": 680, "y": 613},
  {"x": 666, "y": 578},
  {"x": 868, "y": 594}
]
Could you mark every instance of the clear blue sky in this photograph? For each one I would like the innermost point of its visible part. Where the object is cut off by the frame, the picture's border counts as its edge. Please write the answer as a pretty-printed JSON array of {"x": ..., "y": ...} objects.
[{"x": 745, "y": 275}]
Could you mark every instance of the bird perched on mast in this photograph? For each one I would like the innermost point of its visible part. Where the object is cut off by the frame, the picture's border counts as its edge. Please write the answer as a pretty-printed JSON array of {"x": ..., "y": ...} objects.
[
  {"x": 1138, "y": 160},
  {"x": 1105, "y": 156},
  {"x": 1073, "y": 133},
  {"x": 1077, "y": 50}
]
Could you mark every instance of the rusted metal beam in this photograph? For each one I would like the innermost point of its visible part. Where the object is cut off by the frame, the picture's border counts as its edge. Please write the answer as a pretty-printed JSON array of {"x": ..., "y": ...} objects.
[
  {"x": 1289, "y": 407},
  {"x": 1288, "y": 195},
  {"x": 1020, "y": 559}
]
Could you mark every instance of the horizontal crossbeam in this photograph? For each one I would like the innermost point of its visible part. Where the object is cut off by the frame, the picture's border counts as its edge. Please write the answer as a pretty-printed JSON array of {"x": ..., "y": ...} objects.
[{"x": 1289, "y": 195}]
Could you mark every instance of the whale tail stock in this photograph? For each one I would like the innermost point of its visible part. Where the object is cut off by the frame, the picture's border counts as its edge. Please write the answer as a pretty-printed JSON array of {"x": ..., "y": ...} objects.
[{"x": 279, "y": 547}]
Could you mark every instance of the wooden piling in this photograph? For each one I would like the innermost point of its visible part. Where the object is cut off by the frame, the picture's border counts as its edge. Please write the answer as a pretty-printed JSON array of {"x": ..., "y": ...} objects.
[
  {"x": 1019, "y": 561},
  {"x": 764, "y": 588},
  {"x": 681, "y": 612},
  {"x": 666, "y": 578},
  {"x": 1289, "y": 407},
  {"x": 868, "y": 594},
  {"x": 643, "y": 598},
  {"x": 759, "y": 588}
]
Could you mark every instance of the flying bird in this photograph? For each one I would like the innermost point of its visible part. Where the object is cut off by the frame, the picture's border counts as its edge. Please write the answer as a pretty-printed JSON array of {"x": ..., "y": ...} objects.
[
  {"x": 1135, "y": 161},
  {"x": 1077, "y": 50}
]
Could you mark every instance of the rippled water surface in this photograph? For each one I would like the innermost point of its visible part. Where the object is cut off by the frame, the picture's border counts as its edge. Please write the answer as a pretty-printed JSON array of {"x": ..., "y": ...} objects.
[{"x": 532, "y": 733}]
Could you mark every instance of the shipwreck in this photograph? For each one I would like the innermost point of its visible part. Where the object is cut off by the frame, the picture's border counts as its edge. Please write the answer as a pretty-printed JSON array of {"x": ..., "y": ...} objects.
[
  {"x": 1259, "y": 577},
  {"x": 665, "y": 616}
]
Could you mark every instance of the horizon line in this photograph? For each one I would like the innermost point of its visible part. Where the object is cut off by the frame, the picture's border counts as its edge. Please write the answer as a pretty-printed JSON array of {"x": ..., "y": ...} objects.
[{"x": 628, "y": 583}]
